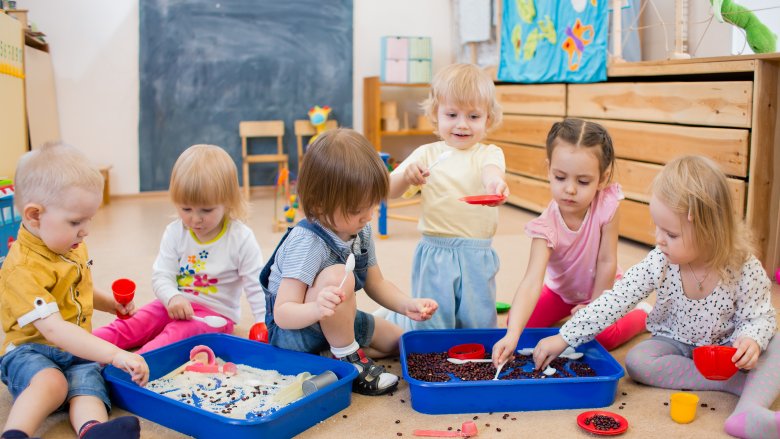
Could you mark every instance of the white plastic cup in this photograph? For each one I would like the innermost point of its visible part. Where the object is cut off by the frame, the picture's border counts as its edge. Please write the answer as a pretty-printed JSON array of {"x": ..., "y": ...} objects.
[{"x": 318, "y": 382}]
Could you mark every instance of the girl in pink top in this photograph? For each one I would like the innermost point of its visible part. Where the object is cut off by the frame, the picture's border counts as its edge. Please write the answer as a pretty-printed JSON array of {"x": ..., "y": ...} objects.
[{"x": 574, "y": 241}]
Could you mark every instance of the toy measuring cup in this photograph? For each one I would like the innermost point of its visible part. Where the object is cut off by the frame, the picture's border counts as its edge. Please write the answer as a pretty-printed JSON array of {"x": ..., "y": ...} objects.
[
  {"x": 124, "y": 291},
  {"x": 714, "y": 362},
  {"x": 682, "y": 407}
]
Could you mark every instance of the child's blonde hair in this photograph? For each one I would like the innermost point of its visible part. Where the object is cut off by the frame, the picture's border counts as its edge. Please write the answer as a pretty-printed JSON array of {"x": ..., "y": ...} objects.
[
  {"x": 694, "y": 187},
  {"x": 584, "y": 134},
  {"x": 205, "y": 175},
  {"x": 44, "y": 173},
  {"x": 341, "y": 172},
  {"x": 464, "y": 85}
]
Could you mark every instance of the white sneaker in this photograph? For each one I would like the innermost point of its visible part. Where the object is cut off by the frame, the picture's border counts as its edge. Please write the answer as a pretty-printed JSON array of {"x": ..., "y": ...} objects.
[{"x": 644, "y": 306}]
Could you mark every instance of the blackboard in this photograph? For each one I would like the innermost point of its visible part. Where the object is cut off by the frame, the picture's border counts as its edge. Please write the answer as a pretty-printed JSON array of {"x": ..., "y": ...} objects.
[{"x": 207, "y": 65}]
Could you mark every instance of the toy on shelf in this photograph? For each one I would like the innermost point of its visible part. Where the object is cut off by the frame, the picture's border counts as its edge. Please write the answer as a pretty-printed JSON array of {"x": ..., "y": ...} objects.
[
  {"x": 318, "y": 116},
  {"x": 284, "y": 189},
  {"x": 759, "y": 37}
]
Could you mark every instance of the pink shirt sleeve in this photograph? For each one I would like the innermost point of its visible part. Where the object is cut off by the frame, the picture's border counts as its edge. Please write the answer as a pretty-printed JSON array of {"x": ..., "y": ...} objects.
[
  {"x": 610, "y": 200},
  {"x": 544, "y": 226}
]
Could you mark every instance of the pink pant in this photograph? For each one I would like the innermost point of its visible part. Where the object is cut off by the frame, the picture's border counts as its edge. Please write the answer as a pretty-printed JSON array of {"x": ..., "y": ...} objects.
[
  {"x": 151, "y": 328},
  {"x": 551, "y": 308}
]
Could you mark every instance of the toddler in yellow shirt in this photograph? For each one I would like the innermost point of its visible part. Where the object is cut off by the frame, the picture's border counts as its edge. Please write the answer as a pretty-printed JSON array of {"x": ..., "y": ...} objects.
[
  {"x": 50, "y": 360},
  {"x": 454, "y": 263}
]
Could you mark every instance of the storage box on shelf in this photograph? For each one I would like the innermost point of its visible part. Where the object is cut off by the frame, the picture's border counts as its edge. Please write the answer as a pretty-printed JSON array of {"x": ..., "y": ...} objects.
[
  {"x": 722, "y": 108},
  {"x": 406, "y": 59}
]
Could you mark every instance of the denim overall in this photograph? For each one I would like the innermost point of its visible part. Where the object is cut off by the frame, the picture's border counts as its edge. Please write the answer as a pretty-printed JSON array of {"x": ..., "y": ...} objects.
[{"x": 360, "y": 271}]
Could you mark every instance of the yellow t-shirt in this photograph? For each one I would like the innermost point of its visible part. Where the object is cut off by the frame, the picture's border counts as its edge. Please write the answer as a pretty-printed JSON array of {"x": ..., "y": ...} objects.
[
  {"x": 32, "y": 271},
  {"x": 458, "y": 176}
]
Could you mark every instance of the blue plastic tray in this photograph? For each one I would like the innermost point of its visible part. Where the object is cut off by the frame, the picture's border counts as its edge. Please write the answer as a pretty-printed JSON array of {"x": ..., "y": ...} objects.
[
  {"x": 508, "y": 395},
  {"x": 284, "y": 423}
]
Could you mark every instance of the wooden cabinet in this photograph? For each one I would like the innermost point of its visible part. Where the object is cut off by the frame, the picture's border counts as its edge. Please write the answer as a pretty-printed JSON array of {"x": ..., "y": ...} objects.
[
  {"x": 13, "y": 128},
  {"x": 723, "y": 108},
  {"x": 372, "y": 111}
]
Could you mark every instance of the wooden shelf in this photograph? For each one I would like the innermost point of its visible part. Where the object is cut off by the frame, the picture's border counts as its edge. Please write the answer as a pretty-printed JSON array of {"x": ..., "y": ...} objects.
[{"x": 372, "y": 112}]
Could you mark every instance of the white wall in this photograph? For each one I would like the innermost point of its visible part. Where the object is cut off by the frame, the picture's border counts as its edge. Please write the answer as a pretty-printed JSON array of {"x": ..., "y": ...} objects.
[
  {"x": 94, "y": 49},
  {"x": 374, "y": 19}
]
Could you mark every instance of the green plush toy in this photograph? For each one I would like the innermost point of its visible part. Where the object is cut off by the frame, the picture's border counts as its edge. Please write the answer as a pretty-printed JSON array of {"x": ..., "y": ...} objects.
[{"x": 758, "y": 36}]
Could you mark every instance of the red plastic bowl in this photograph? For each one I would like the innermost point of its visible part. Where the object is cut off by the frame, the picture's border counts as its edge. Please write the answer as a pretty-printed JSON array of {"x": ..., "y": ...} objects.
[{"x": 714, "y": 362}]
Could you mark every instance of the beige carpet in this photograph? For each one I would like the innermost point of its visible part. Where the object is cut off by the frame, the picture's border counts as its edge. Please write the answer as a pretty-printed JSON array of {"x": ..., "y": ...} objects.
[{"x": 124, "y": 242}]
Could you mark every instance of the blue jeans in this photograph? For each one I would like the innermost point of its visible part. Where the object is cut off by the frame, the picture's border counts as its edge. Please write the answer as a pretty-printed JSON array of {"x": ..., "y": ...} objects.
[{"x": 19, "y": 366}]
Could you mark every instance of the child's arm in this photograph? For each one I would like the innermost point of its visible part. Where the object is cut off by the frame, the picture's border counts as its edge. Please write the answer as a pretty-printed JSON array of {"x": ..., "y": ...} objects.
[
  {"x": 637, "y": 283},
  {"x": 165, "y": 270},
  {"x": 77, "y": 341},
  {"x": 755, "y": 317},
  {"x": 249, "y": 267},
  {"x": 291, "y": 311},
  {"x": 412, "y": 174},
  {"x": 387, "y": 294},
  {"x": 493, "y": 180},
  {"x": 606, "y": 264},
  {"x": 523, "y": 304}
]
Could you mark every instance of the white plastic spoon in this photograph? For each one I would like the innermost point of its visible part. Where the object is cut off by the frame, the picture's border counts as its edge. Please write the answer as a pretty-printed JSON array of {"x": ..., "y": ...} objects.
[
  {"x": 498, "y": 371},
  {"x": 474, "y": 360},
  {"x": 413, "y": 189},
  {"x": 550, "y": 371},
  {"x": 567, "y": 353},
  {"x": 213, "y": 321},
  {"x": 348, "y": 268}
]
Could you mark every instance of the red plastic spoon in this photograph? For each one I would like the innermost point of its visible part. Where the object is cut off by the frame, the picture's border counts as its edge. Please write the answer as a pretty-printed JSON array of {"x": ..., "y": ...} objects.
[{"x": 468, "y": 429}]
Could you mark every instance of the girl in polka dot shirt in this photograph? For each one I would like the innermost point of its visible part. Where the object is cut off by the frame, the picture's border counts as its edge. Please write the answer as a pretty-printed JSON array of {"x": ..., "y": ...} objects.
[{"x": 710, "y": 291}]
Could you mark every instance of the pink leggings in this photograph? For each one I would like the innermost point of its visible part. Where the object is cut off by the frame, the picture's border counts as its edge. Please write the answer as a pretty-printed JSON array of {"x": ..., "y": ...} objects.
[
  {"x": 151, "y": 328},
  {"x": 551, "y": 308}
]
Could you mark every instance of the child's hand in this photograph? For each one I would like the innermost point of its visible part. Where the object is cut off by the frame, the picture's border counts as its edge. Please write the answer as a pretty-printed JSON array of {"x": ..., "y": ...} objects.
[
  {"x": 421, "y": 309},
  {"x": 328, "y": 299},
  {"x": 577, "y": 308},
  {"x": 504, "y": 350},
  {"x": 548, "y": 349},
  {"x": 180, "y": 308},
  {"x": 128, "y": 309},
  {"x": 497, "y": 186},
  {"x": 747, "y": 353},
  {"x": 415, "y": 174},
  {"x": 133, "y": 364}
]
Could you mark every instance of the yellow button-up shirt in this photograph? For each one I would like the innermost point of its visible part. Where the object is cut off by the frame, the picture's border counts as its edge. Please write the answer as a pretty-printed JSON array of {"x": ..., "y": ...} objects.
[{"x": 32, "y": 271}]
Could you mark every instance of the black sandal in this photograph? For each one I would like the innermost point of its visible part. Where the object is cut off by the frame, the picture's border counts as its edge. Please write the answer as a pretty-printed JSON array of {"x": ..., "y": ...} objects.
[{"x": 367, "y": 382}]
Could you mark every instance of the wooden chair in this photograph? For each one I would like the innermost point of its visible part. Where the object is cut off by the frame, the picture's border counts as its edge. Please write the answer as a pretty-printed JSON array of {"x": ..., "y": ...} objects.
[
  {"x": 304, "y": 128},
  {"x": 270, "y": 129},
  {"x": 264, "y": 128}
]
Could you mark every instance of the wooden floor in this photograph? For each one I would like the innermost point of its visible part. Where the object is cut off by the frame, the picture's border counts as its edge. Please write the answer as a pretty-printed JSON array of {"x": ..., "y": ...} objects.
[{"x": 125, "y": 239}]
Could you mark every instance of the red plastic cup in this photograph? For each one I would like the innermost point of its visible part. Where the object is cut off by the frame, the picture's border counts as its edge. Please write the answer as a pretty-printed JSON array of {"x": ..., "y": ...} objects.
[
  {"x": 714, "y": 362},
  {"x": 259, "y": 332},
  {"x": 124, "y": 291},
  {"x": 467, "y": 351}
]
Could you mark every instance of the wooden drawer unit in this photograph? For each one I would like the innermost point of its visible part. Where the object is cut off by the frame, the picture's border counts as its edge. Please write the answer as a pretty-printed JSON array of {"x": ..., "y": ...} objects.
[{"x": 721, "y": 108}]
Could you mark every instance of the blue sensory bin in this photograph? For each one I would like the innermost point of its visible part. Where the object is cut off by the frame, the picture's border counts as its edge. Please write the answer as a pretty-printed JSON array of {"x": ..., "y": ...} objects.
[
  {"x": 458, "y": 396},
  {"x": 284, "y": 423}
]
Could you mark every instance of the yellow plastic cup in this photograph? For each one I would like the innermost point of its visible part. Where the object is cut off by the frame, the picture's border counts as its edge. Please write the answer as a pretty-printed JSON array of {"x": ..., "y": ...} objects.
[{"x": 682, "y": 408}]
